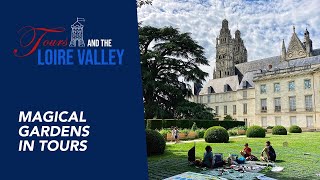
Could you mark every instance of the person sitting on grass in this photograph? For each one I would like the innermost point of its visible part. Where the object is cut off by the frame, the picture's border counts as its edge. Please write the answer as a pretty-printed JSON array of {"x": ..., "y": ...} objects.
[
  {"x": 246, "y": 151},
  {"x": 208, "y": 158},
  {"x": 270, "y": 153}
]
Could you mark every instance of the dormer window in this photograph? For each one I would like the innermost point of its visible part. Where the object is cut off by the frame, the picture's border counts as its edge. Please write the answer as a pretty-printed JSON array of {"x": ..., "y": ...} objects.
[
  {"x": 227, "y": 88},
  {"x": 244, "y": 85},
  {"x": 210, "y": 90}
]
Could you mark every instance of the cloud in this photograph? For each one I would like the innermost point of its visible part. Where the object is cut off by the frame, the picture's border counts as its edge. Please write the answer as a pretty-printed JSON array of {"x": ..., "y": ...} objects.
[{"x": 263, "y": 23}]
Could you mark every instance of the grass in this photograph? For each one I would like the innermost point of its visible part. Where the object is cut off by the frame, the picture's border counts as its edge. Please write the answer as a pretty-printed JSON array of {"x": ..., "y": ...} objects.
[{"x": 297, "y": 165}]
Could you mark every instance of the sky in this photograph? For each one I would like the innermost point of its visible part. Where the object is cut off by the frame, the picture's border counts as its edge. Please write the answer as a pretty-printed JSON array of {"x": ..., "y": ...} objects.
[{"x": 263, "y": 23}]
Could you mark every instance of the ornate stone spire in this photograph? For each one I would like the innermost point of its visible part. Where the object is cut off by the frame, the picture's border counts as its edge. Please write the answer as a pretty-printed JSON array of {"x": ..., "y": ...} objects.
[
  {"x": 296, "y": 49},
  {"x": 294, "y": 29},
  {"x": 283, "y": 52}
]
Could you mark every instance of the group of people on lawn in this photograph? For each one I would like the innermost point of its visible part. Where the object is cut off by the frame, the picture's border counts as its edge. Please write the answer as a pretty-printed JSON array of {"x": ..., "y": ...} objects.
[
  {"x": 270, "y": 155},
  {"x": 175, "y": 133}
]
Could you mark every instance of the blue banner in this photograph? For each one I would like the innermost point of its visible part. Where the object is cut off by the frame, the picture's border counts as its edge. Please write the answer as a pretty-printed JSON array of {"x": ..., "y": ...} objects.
[{"x": 71, "y": 93}]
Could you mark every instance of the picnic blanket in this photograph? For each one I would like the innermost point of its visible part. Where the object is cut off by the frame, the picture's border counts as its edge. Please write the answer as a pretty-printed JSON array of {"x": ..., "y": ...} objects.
[
  {"x": 265, "y": 178},
  {"x": 194, "y": 176},
  {"x": 249, "y": 171},
  {"x": 232, "y": 174}
]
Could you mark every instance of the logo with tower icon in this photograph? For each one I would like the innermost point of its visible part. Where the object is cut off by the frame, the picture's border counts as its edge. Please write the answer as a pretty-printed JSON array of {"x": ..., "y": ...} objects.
[
  {"x": 77, "y": 33},
  {"x": 67, "y": 51}
]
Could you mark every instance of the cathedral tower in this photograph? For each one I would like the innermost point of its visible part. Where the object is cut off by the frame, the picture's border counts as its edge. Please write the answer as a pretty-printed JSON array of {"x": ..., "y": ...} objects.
[
  {"x": 229, "y": 51},
  {"x": 307, "y": 43},
  {"x": 240, "y": 51}
]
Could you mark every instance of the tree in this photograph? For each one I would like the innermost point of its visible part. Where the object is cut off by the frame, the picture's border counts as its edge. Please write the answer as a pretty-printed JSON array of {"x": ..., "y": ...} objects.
[
  {"x": 191, "y": 110},
  {"x": 168, "y": 56},
  {"x": 228, "y": 118}
]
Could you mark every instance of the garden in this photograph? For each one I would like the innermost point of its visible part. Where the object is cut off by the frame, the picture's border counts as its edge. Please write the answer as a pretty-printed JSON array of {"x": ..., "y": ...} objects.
[{"x": 297, "y": 152}]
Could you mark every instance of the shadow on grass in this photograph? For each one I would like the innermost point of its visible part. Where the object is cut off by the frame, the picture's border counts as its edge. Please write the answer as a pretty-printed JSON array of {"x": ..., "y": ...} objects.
[
  {"x": 168, "y": 164},
  {"x": 280, "y": 161}
]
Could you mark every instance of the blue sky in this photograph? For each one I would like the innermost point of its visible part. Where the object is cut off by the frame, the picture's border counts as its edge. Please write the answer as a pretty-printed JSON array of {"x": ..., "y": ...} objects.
[{"x": 263, "y": 23}]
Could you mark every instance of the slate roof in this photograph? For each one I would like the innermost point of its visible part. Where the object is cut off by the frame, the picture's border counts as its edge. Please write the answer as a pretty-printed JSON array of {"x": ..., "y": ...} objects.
[
  {"x": 246, "y": 71},
  {"x": 302, "y": 71},
  {"x": 218, "y": 84}
]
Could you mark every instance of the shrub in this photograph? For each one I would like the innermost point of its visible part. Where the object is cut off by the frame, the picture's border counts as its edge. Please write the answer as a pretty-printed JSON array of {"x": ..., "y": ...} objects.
[
  {"x": 194, "y": 126},
  {"x": 228, "y": 118},
  {"x": 295, "y": 129},
  {"x": 200, "y": 132},
  {"x": 148, "y": 125},
  {"x": 155, "y": 142},
  {"x": 216, "y": 134},
  {"x": 164, "y": 133},
  {"x": 242, "y": 127},
  {"x": 236, "y": 131},
  {"x": 256, "y": 131},
  {"x": 232, "y": 132},
  {"x": 192, "y": 135},
  {"x": 185, "y": 131},
  {"x": 279, "y": 130}
]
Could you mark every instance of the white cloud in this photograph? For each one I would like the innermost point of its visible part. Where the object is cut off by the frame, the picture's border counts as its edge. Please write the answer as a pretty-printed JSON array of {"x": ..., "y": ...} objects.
[{"x": 263, "y": 24}]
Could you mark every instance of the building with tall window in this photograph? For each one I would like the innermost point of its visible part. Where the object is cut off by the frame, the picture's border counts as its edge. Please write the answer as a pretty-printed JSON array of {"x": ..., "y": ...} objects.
[{"x": 281, "y": 90}]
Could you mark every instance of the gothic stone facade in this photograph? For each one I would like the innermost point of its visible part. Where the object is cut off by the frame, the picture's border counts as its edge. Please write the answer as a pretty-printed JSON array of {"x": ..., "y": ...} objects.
[
  {"x": 230, "y": 51},
  {"x": 280, "y": 90}
]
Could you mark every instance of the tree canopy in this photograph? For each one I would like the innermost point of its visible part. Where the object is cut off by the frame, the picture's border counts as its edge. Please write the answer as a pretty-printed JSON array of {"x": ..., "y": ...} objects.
[
  {"x": 169, "y": 60},
  {"x": 228, "y": 118}
]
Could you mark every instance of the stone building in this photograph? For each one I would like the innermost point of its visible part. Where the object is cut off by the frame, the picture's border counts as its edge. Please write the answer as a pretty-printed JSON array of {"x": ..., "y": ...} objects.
[
  {"x": 230, "y": 51},
  {"x": 281, "y": 90}
]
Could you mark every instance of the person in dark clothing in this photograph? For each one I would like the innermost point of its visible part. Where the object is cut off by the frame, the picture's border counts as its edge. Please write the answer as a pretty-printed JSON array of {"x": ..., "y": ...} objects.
[
  {"x": 207, "y": 158},
  {"x": 269, "y": 151},
  {"x": 192, "y": 154}
]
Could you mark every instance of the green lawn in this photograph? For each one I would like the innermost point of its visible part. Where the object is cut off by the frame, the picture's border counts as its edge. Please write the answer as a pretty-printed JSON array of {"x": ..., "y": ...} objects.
[{"x": 296, "y": 164}]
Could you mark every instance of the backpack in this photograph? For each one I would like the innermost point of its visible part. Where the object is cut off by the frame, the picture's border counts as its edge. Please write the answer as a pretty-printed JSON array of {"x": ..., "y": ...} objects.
[
  {"x": 241, "y": 160},
  {"x": 252, "y": 158},
  {"x": 218, "y": 160}
]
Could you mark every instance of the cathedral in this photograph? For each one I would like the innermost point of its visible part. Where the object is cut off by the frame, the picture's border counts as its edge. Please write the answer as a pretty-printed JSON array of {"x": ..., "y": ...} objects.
[
  {"x": 280, "y": 90},
  {"x": 230, "y": 51}
]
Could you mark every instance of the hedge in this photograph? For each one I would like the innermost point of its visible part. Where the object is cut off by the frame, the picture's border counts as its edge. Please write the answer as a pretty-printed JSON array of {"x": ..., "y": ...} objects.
[
  {"x": 256, "y": 131},
  {"x": 295, "y": 129},
  {"x": 279, "y": 130},
  {"x": 185, "y": 123},
  {"x": 156, "y": 143},
  {"x": 216, "y": 134}
]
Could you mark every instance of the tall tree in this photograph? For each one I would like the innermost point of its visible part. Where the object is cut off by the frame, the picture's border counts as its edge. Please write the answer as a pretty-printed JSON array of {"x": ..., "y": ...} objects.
[
  {"x": 191, "y": 110},
  {"x": 169, "y": 59}
]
